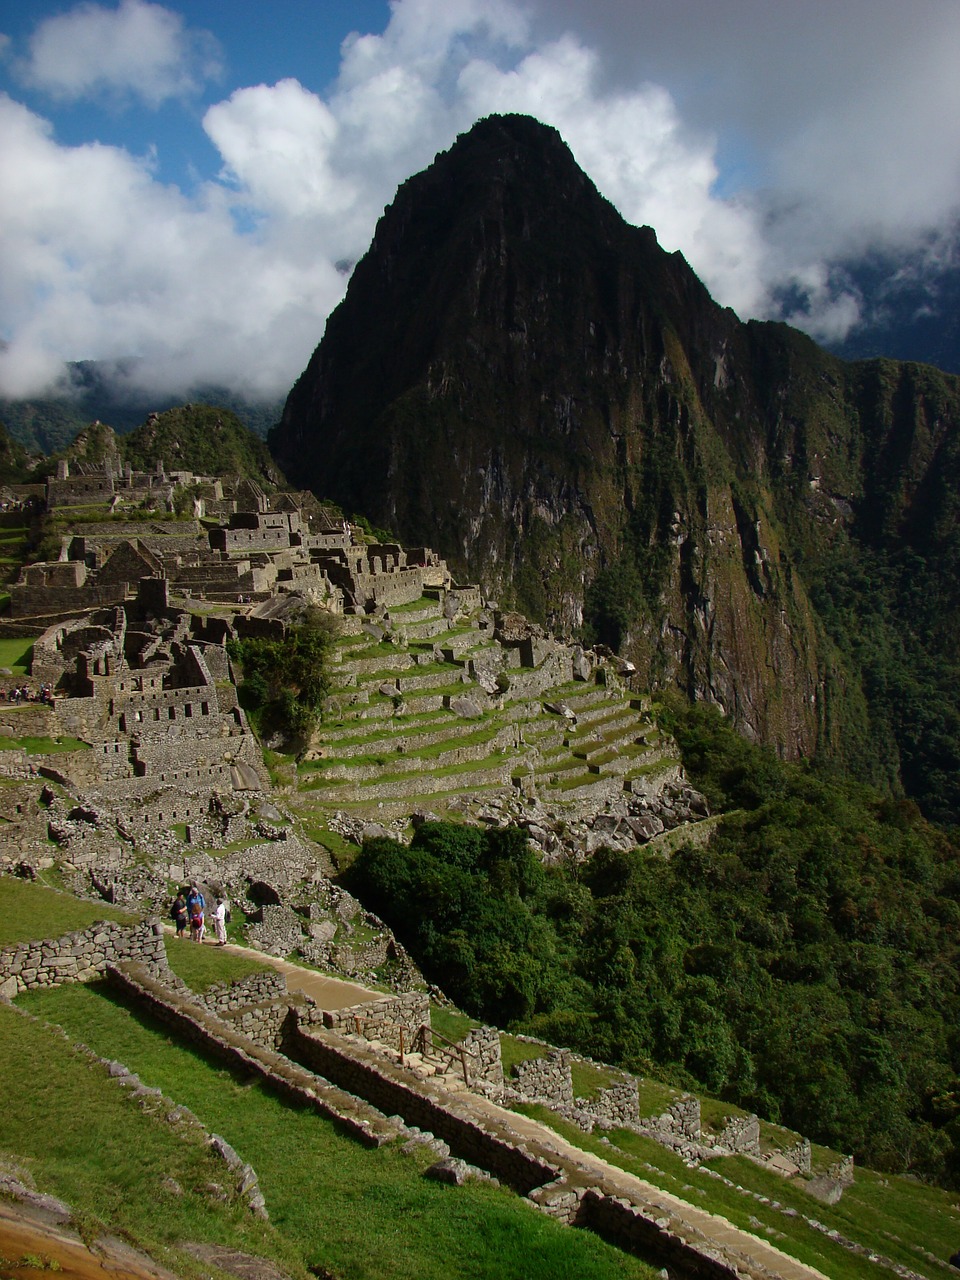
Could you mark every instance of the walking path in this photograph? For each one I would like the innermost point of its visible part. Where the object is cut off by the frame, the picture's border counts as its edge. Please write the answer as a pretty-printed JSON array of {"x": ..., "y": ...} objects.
[
  {"x": 749, "y": 1253},
  {"x": 329, "y": 993}
]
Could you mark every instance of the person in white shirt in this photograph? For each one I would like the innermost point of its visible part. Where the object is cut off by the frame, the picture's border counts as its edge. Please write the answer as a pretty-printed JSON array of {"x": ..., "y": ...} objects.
[{"x": 220, "y": 922}]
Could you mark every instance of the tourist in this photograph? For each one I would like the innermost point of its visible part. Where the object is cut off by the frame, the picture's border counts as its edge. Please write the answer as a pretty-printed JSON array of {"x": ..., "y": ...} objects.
[
  {"x": 197, "y": 926},
  {"x": 178, "y": 913},
  {"x": 196, "y": 904},
  {"x": 220, "y": 922}
]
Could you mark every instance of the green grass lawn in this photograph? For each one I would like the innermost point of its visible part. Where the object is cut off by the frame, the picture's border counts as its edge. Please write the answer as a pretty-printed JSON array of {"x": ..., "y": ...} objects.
[
  {"x": 890, "y": 1216},
  {"x": 84, "y": 1142},
  {"x": 514, "y": 1051},
  {"x": 16, "y": 654},
  {"x": 357, "y": 1212},
  {"x": 29, "y": 910},
  {"x": 451, "y": 1023},
  {"x": 43, "y": 746},
  {"x": 202, "y": 966}
]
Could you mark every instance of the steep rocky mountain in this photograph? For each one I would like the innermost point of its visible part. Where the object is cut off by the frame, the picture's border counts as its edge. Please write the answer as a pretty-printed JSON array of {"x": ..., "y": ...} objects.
[{"x": 521, "y": 379}]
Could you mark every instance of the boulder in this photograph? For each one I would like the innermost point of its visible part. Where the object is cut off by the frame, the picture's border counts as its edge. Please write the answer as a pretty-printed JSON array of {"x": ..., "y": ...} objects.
[{"x": 466, "y": 707}]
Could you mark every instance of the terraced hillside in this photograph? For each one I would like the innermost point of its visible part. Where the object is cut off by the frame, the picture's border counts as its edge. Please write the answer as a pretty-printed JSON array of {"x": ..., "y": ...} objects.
[{"x": 467, "y": 714}]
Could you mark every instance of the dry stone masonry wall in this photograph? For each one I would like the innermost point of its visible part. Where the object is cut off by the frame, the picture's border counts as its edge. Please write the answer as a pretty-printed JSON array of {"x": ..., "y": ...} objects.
[{"x": 81, "y": 956}]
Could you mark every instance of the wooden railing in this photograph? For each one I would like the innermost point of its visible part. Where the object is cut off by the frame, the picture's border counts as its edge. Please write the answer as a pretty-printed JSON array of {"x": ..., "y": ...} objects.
[{"x": 420, "y": 1040}]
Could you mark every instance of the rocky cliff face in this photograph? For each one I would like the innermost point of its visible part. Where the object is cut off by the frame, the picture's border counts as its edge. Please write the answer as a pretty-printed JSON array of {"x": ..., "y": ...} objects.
[{"x": 521, "y": 379}]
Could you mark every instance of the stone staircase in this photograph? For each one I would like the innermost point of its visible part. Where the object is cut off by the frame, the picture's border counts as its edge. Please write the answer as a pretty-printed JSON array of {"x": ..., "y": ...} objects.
[{"x": 414, "y": 720}]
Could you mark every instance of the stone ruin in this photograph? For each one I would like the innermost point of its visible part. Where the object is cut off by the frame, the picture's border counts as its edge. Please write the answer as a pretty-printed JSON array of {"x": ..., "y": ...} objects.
[{"x": 263, "y": 547}]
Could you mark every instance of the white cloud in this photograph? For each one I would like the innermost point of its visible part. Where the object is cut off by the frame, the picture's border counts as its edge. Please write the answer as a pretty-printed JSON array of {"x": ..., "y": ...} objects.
[
  {"x": 138, "y": 49},
  {"x": 98, "y": 260},
  {"x": 234, "y": 282}
]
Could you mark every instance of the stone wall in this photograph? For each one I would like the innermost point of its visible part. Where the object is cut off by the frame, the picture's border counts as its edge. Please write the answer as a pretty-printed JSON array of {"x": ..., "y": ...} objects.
[
  {"x": 81, "y": 956},
  {"x": 742, "y": 1134},
  {"x": 194, "y": 1025},
  {"x": 547, "y": 1079},
  {"x": 26, "y": 719},
  {"x": 267, "y": 1023},
  {"x": 800, "y": 1156},
  {"x": 382, "y": 1084},
  {"x": 225, "y": 998},
  {"x": 683, "y": 1117},
  {"x": 62, "y": 602},
  {"x": 639, "y": 1232},
  {"x": 382, "y": 1019},
  {"x": 616, "y": 1106},
  {"x": 485, "y": 1063}
]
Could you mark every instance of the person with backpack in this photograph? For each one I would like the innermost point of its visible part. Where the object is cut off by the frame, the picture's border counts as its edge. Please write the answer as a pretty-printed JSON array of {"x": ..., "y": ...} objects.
[{"x": 196, "y": 903}]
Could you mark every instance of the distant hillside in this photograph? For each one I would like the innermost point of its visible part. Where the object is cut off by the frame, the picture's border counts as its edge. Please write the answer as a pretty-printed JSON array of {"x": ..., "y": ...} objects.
[
  {"x": 196, "y": 437},
  {"x": 203, "y": 438},
  {"x": 95, "y": 391},
  {"x": 14, "y": 462}
]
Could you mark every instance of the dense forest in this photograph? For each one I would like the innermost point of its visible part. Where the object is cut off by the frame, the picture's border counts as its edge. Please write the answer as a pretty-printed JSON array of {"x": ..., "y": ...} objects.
[{"x": 804, "y": 964}]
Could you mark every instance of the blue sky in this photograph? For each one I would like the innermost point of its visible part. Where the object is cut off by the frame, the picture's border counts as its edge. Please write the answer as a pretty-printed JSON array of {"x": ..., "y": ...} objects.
[{"x": 186, "y": 181}]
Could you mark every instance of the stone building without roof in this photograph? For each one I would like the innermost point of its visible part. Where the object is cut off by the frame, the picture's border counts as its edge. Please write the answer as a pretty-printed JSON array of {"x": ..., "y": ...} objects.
[{"x": 157, "y": 706}]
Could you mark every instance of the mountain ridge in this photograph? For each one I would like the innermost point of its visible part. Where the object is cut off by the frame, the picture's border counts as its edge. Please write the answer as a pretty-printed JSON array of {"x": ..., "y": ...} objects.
[{"x": 521, "y": 378}]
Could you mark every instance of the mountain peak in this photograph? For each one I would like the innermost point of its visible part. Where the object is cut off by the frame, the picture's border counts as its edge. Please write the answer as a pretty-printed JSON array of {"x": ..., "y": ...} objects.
[{"x": 521, "y": 379}]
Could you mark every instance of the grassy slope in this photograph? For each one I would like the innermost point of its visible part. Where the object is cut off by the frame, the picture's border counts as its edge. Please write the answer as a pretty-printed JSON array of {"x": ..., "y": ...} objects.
[
  {"x": 29, "y": 910},
  {"x": 84, "y": 1141},
  {"x": 356, "y": 1212}
]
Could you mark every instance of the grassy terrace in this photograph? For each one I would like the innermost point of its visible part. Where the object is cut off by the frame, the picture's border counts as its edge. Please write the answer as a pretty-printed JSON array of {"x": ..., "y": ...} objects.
[
  {"x": 29, "y": 911},
  {"x": 43, "y": 746},
  {"x": 332, "y": 1203},
  {"x": 367, "y": 1212},
  {"x": 16, "y": 654},
  {"x": 429, "y": 751},
  {"x": 898, "y": 1219},
  {"x": 901, "y": 1220}
]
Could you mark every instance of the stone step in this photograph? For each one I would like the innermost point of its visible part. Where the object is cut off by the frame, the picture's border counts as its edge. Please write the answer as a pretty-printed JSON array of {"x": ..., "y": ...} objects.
[
  {"x": 414, "y": 736},
  {"x": 463, "y": 645},
  {"x": 652, "y": 774},
  {"x": 600, "y": 719},
  {"x": 610, "y": 745},
  {"x": 380, "y": 791},
  {"x": 581, "y": 698},
  {"x": 433, "y": 680},
  {"x": 396, "y": 661},
  {"x": 354, "y": 726},
  {"x": 584, "y": 786},
  {"x": 444, "y": 798},
  {"x": 394, "y": 761},
  {"x": 622, "y": 762},
  {"x": 425, "y": 629},
  {"x": 616, "y": 728},
  {"x": 420, "y": 611}
]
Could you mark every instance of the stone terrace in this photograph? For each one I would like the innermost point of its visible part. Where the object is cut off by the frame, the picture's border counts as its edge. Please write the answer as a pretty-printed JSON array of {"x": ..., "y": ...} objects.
[{"x": 441, "y": 704}]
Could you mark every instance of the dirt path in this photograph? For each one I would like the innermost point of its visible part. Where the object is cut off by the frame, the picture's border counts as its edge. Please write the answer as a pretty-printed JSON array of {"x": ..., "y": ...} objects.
[
  {"x": 736, "y": 1243},
  {"x": 329, "y": 993},
  {"x": 750, "y": 1253},
  {"x": 32, "y": 1247}
]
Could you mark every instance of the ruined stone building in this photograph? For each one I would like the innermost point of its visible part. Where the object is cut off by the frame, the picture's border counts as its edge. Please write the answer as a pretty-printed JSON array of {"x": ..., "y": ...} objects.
[{"x": 156, "y": 704}]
